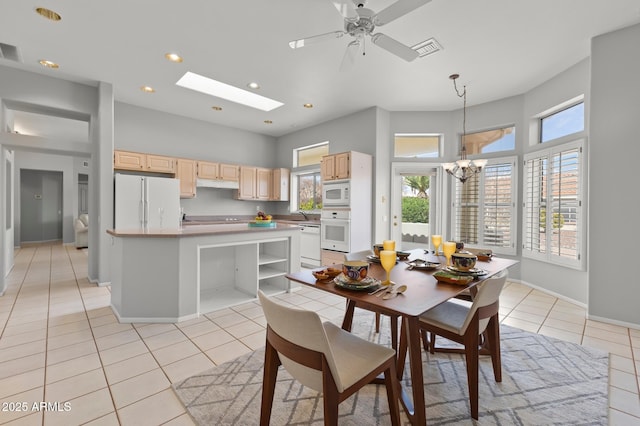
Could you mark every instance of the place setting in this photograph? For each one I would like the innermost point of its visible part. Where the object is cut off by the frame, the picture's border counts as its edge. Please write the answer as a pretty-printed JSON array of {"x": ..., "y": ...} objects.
[{"x": 460, "y": 267}]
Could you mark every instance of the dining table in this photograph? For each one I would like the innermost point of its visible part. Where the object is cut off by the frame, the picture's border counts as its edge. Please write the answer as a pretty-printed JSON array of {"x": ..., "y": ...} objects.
[{"x": 423, "y": 292}]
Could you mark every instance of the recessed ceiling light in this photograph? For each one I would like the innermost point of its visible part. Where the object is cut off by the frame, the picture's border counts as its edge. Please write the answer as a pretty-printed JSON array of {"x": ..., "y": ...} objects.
[
  {"x": 308, "y": 105},
  {"x": 173, "y": 57},
  {"x": 268, "y": 122},
  {"x": 48, "y": 64},
  {"x": 218, "y": 89},
  {"x": 216, "y": 108},
  {"x": 147, "y": 89},
  {"x": 253, "y": 85},
  {"x": 48, "y": 13}
]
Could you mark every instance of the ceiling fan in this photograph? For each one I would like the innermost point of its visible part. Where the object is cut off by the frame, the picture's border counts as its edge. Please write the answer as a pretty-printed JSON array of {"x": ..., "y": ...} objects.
[{"x": 360, "y": 22}]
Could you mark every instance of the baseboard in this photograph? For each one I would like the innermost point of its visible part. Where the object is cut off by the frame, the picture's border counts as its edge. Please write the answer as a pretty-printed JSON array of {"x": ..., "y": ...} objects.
[
  {"x": 154, "y": 320},
  {"x": 614, "y": 322},
  {"x": 550, "y": 293}
]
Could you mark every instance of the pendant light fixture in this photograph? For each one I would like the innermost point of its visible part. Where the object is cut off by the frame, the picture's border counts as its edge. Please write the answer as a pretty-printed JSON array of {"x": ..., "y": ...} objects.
[{"x": 463, "y": 169}]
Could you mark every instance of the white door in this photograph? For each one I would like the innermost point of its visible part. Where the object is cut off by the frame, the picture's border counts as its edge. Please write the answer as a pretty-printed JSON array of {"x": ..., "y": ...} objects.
[{"x": 417, "y": 187}]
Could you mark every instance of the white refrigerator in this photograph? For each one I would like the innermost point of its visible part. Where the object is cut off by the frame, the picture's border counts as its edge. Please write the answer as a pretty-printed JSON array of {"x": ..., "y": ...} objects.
[{"x": 143, "y": 202}]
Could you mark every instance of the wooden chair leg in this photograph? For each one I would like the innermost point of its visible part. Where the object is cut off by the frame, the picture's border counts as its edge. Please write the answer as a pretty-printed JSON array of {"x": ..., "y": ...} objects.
[
  {"x": 271, "y": 364},
  {"x": 377, "y": 322},
  {"x": 432, "y": 342},
  {"x": 493, "y": 340},
  {"x": 330, "y": 396},
  {"x": 393, "y": 393},
  {"x": 472, "y": 358},
  {"x": 401, "y": 353}
]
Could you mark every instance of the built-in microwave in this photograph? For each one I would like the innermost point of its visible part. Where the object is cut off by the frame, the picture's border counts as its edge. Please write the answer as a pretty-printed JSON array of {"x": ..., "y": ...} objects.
[{"x": 335, "y": 194}]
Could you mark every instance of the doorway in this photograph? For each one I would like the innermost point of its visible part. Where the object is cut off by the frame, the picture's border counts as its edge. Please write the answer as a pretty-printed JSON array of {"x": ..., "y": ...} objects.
[
  {"x": 40, "y": 205},
  {"x": 416, "y": 204},
  {"x": 83, "y": 194}
]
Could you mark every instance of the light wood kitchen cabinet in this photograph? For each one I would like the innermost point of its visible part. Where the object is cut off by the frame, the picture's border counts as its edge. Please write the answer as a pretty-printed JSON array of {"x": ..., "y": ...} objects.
[
  {"x": 218, "y": 171},
  {"x": 186, "y": 172},
  {"x": 280, "y": 184},
  {"x": 255, "y": 183},
  {"x": 328, "y": 258},
  {"x": 160, "y": 164},
  {"x": 126, "y": 160},
  {"x": 336, "y": 166}
]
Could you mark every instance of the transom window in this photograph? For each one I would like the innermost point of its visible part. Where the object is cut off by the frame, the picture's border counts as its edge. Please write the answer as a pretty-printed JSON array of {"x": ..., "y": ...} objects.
[
  {"x": 408, "y": 145},
  {"x": 562, "y": 123},
  {"x": 310, "y": 155},
  {"x": 496, "y": 140}
]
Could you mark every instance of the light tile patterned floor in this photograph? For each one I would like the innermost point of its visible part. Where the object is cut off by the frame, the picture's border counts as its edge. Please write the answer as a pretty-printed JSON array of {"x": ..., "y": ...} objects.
[{"x": 60, "y": 342}]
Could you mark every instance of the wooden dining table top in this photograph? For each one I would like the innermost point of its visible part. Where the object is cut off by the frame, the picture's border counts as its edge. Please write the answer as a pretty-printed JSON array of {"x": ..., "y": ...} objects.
[{"x": 423, "y": 292}]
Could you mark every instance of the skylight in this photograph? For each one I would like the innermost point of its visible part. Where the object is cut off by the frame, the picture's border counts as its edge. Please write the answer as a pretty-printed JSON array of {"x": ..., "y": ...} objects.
[{"x": 218, "y": 89}]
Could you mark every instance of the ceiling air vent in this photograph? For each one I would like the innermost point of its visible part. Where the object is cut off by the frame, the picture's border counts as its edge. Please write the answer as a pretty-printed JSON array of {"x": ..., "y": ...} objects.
[
  {"x": 10, "y": 52},
  {"x": 427, "y": 47}
]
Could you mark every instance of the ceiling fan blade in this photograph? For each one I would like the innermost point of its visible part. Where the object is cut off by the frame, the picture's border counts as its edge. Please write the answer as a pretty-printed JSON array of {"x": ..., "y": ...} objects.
[
  {"x": 396, "y": 10},
  {"x": 350, "y": 54},
  {"x": 296, "y": 44},
  {"x": 347, "y": 9},
  {"x": 394, "y": 46}
]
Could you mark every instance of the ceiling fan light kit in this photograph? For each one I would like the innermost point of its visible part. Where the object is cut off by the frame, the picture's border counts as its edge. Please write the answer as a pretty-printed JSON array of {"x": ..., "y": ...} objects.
[{"x": 360, "y": 22}]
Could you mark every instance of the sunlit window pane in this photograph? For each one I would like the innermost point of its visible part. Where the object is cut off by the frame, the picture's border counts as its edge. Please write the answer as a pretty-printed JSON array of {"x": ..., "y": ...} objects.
[
  {"x": 416, "y": 146},
  {"x": 311, "y": 155},
  {"x": 496, "y": 140},
  {"x": 562, "y": 123}
]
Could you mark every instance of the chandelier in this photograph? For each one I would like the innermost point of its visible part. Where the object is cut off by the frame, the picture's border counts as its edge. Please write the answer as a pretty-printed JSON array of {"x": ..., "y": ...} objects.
[{"x": 463, "y": 169}]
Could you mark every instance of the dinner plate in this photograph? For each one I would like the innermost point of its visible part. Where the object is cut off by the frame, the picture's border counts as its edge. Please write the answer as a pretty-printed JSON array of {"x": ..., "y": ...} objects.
[
  {"x": 451, "y": 278},
  {"x": 473, "y": 271},
  {"x": 366, "y": 284},
  {"x": 423, "y": 264}
]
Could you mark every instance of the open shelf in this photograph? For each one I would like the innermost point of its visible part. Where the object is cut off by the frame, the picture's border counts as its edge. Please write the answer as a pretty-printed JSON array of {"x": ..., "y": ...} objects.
[{"x": 222, "y": 297}]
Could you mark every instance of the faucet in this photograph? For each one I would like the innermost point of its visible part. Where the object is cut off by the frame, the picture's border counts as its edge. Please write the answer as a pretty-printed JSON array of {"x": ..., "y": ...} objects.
[{"x": 303, "y": 214}]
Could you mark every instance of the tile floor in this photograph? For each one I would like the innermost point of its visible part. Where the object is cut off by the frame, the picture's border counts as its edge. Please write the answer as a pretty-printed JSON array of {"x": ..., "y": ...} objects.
[{"x": 60, "y": 342}]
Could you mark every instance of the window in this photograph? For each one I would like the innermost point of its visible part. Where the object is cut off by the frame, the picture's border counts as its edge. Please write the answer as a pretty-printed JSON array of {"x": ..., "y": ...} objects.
[
  {"x": 496, "y": 140},
  {"x": 562, "y": 123},
  {"x": 309, "y": 191},
  {"x": 484, "y": 207},
  {"x": 310, "y": 155},
  {"x": 416, "y": 145},
  {"x": 553, "y": 225},
  {"x": 305, "y": 177}
]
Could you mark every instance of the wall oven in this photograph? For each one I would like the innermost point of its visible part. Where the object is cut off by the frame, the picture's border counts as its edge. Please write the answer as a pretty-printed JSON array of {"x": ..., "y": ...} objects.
[
  {"x": 335, "y": 194},
  {"x": 335, "y": 230}
]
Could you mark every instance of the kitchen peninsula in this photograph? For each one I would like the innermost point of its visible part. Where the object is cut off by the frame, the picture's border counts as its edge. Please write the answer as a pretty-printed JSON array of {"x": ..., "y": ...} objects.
[{"x": 172, "y": 275}]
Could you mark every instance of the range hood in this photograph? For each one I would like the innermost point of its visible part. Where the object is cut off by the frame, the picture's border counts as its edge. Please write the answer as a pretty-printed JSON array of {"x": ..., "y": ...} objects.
[{"x": 214, "y": 183}]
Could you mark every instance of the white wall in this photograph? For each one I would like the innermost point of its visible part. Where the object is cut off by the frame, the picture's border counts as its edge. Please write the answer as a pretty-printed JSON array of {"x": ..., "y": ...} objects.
[{"x": 614, "y": 291}]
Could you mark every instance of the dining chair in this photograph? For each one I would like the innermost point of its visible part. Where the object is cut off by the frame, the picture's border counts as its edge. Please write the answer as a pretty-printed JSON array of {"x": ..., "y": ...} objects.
[
  {"x": 464, "y": 324},
  {"x": 362, "y": 255},
  {"x": 322, "y": 357}
]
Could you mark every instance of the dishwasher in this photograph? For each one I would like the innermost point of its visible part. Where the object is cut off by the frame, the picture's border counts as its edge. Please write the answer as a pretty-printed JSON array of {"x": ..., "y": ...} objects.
[{"x": 310, "y": 245}]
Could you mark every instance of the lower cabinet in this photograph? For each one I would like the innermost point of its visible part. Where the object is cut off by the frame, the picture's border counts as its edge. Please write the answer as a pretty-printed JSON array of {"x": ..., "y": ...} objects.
[
  {"x": 329, "y": 257},
  {"x": 232, "y": 274}
]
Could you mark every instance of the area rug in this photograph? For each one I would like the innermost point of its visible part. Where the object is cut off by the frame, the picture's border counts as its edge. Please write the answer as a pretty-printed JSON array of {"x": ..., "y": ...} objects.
[{"x": 545, "y": 381}]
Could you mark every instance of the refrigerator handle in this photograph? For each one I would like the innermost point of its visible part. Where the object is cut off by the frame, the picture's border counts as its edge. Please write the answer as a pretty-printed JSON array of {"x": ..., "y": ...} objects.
[{"x": 142, "y": 205}]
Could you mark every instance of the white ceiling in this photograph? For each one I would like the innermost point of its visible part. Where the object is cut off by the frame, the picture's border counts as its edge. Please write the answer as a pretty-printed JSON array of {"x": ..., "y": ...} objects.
[{"x": 499, "y": 47}]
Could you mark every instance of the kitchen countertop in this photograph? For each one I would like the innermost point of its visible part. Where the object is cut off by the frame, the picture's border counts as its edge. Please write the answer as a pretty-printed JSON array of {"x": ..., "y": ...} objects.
[{"x": 198, "y": 229}]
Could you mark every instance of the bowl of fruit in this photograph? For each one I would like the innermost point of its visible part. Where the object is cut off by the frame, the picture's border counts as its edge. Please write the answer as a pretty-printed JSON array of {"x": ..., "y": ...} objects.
[{"x": 261, "y": 217}]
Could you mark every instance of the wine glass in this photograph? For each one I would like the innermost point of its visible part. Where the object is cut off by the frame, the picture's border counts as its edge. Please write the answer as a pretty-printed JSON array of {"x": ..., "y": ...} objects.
[
  {"x": 436, "y": 240},
  {"x": 388, "y": 261},
  {"x": 389, "y": 245},
  {"x": 448, "y": 248}
]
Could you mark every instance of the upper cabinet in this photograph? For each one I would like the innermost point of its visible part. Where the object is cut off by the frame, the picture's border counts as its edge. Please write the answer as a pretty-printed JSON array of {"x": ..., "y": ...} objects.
[
  {"x": 255, "y": 183},
  {"x": 126, "y": 160},
  {"x": 280, "y": 184},
  {"x": 186, "y": 172},
  {"x": 218, "y": 171},
  {"x": 336, "y": 166}
]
